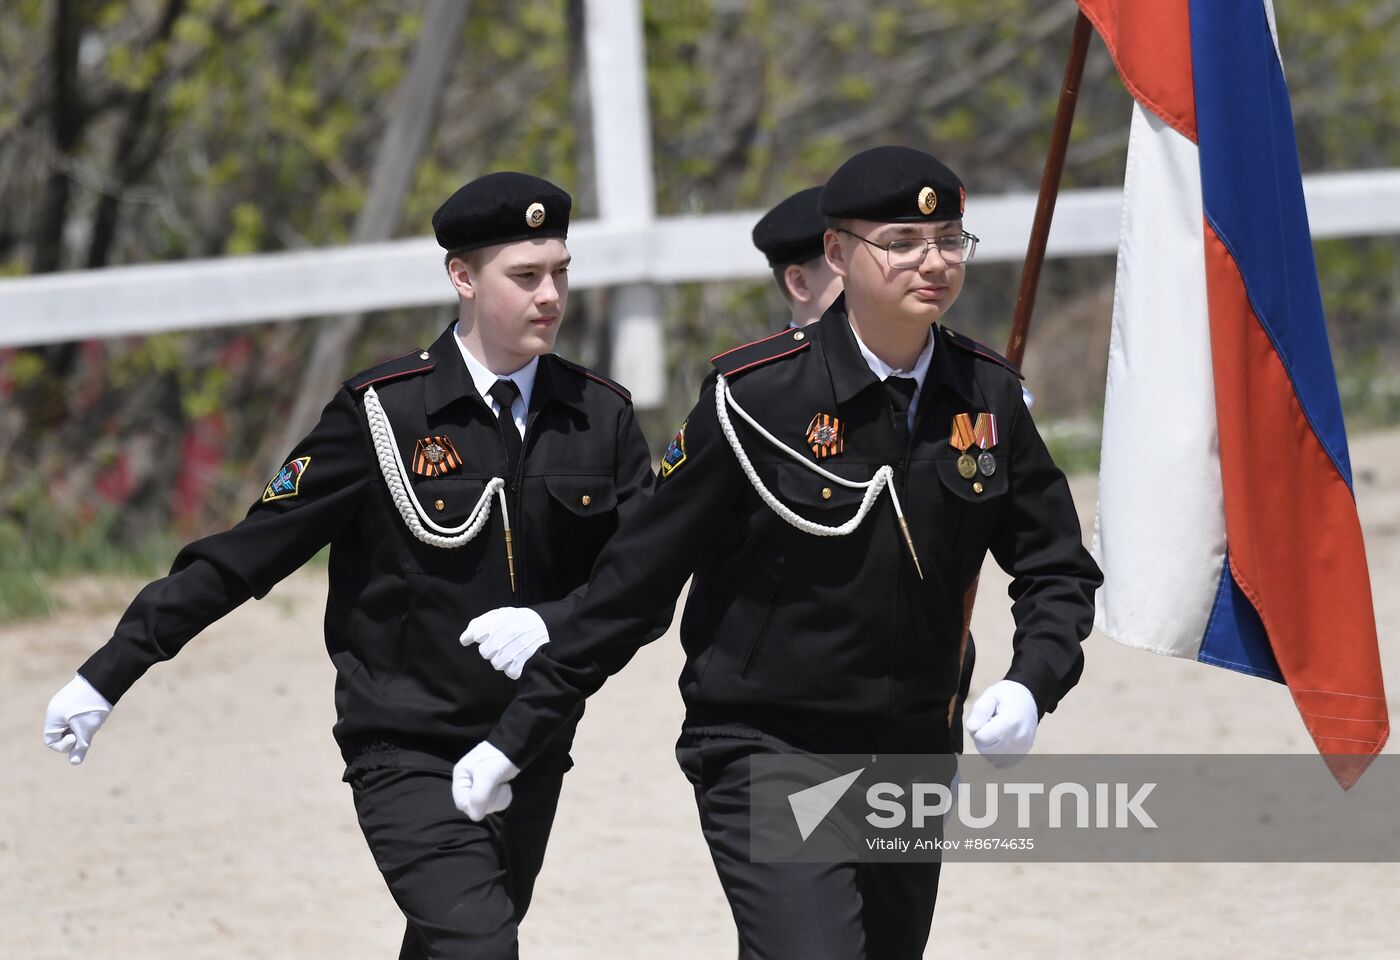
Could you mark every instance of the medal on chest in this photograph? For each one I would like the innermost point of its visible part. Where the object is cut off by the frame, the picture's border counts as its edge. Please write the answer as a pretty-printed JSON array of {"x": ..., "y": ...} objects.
[
  {"x": 826, "y": 436},
  {"x": 961, "y": 439},
  {"x": 435, "y": 456},
  {"x": 984, "y": 435}
]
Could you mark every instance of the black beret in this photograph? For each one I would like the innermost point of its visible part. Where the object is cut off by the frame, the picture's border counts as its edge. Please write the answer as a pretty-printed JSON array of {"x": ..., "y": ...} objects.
[
  {"x": 502, "y": 208},
  {"x": 893, "y": 185},
  {"x": 792, "y": 231}
]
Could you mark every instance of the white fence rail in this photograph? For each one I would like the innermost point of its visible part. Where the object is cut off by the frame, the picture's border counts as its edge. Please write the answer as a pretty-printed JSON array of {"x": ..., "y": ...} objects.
[{"x": 192, "y": 294}]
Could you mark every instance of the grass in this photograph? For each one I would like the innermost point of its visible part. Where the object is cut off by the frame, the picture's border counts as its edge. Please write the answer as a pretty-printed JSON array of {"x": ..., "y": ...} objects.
[
  {"x": 1073, "y": 444},
  {"x": 36, "y": 549}
]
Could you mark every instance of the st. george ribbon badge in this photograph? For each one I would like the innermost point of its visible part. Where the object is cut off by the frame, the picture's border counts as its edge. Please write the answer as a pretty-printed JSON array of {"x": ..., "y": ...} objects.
[
  {"x": 962, "y": 438},
  {"x": 985, "y": 435},
  {"x": 826, "y": 436},
  {"x": 435, "y": 456}
]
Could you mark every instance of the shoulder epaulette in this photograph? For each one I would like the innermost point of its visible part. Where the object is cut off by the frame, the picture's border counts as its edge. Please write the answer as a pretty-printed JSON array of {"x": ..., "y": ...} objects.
[
  {"x": 785, "y": 343},
  {"x": 416, "y": 361},
  {"x": 588, "y": 374},
  {"x": 981, "y": 350}
]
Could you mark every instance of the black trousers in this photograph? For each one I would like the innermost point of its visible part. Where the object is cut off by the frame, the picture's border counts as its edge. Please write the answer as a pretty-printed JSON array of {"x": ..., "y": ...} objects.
[
  {"x": 463, "y": 887},
  {"x": 955, "y": 738},
  {"x": 811, "y": 911}
]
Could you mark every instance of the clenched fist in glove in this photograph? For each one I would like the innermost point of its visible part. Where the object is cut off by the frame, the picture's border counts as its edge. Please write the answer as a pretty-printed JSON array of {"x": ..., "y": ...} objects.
[
  {"x": 507, "y": 636},
  {"x": 1003, "y": 721},
  {"x": 74, "y": 716},
  {"x": 481, "y": 781}
]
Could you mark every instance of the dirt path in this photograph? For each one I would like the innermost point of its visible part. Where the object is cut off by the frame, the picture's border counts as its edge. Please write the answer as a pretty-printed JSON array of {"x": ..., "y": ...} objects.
[{"x": 239, "y": 841}]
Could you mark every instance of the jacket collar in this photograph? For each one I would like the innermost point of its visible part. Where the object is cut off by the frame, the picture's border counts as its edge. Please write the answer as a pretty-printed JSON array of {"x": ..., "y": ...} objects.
[
  {"x": 950, "y": 368},
  {"x": 850, "y": 374},
  {"x": 450, "y": 380}
]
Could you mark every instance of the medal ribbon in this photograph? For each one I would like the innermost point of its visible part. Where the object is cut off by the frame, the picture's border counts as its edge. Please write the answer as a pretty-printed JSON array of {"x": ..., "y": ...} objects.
[
  {"x": 963, "y": 433},
  {"x": 985, "y": 433}
]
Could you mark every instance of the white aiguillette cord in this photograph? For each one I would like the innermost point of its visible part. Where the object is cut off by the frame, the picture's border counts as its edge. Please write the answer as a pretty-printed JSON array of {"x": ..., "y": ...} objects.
[
  {"x": 884, "y": 478},
  {"x": 419, "y": 524}
]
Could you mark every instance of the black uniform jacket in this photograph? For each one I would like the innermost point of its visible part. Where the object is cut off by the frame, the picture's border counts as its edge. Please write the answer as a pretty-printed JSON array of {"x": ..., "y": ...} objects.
[
  {"x": 787, "y": 625},
  {"x": 397, "y": 606}
]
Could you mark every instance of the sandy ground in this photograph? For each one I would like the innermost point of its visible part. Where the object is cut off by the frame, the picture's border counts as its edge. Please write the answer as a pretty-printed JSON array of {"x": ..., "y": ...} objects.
[{"x": 190, "y": 839}]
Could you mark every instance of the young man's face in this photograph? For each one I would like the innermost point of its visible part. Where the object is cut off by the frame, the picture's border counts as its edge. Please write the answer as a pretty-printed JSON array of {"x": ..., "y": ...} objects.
[
  {"x": 518, "y": 292},
  {"x": 923, "y": 293}
]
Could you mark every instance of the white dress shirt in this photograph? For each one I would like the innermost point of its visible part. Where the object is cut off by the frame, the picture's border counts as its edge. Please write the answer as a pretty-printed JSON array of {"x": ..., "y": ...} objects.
[
  {"x": 883, "y": 370},
  {"x": 483, "y": 379}
]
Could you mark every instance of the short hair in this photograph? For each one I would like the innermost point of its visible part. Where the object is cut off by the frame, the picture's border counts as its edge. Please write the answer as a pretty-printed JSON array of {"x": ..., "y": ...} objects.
[
  {"x": 780, "y": 278},
  {"x": 470, "y": 256},
  {"x": 780, "y": 273}
]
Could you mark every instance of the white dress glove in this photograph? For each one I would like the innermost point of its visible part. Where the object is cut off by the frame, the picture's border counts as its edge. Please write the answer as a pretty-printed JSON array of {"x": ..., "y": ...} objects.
[
  {"x": 507, "y": 636},
  {"x": 1003, "y": 721},
  {"x": 74, "y": 716},
  {"x": 481, "y": 781}
]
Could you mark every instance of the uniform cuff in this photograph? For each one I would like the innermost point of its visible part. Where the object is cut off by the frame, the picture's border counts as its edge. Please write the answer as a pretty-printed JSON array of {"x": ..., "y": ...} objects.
[
  {"x": 112, "y": 670},
  {"x": 1036, "y": 676}
]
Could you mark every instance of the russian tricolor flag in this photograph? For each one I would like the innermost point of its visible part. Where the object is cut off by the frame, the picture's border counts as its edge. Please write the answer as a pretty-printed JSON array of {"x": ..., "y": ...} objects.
[{"x": 1227, "y": 527}]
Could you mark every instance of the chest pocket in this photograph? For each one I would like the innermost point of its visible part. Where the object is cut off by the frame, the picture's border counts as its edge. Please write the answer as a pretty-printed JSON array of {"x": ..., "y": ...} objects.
[
  {"x": 812, "y": 495},
  {"x": 585, "y": 497},
  {"x": 973, "y": 507},
  {"x": 448, "y": 502},
  {"x": 975, "y": 489},
  {"x": 582, "y": 515}
]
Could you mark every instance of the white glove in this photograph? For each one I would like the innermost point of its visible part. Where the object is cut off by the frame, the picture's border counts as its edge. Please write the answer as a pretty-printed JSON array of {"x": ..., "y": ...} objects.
[
  {"x": 480, "y": 781},
  {"x": 1003, "y": 721},
  {"x": 74, "y": 716},
  {"x": 507, "y": 636}
]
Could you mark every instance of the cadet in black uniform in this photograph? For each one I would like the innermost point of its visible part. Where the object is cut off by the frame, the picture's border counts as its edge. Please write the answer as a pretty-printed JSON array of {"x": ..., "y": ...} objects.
[
  {"x": 483, "y": 471},
  {"x": 793, "y": 237},
  {"x": 815, "y": 622}
]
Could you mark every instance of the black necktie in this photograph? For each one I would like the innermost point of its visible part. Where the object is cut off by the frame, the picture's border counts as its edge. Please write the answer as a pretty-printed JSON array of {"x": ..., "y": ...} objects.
[
  {"x": 504, "y": 393},
  {"x": 900, "y": 390}
]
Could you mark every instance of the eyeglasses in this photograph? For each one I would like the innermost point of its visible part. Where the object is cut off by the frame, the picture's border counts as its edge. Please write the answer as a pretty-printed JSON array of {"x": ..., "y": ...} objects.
[{"x": 907, "y": 253}]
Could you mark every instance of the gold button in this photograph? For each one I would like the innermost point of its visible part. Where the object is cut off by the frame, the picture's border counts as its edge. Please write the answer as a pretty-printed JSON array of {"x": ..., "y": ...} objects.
[
  {"x": 585, "y": 500},
  {"x": 826, "y": 493},
  {"x": 799, "y": 335},
  {"x": 423, "y": 355},
  {"x": 977, "y": 487},
  {"x": 439, "y": 505}
]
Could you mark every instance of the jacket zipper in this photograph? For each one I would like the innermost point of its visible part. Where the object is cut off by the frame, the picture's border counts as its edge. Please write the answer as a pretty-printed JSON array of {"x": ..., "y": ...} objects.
[
  {"x": 513, "y": 491},
  {"x": 762, "y": 629},
  {"x": 517, "y": 495}
]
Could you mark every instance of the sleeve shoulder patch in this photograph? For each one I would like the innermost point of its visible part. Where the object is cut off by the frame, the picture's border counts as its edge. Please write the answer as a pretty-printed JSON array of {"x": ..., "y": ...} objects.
[
  {"x": 785, "y": 343},
  {"x": 415, "y": 361},
  {"x": 598, "y": 378},
  {"x": 980, "y": 350},
  {"x": 287, "y": 483},
  {"x": 675, "y": 453}
]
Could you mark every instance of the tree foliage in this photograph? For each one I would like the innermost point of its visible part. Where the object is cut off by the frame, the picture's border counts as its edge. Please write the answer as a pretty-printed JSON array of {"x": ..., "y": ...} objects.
[{"x": 167, "y": 129}]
